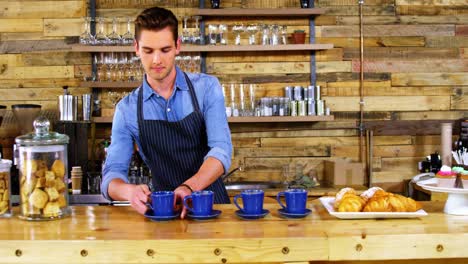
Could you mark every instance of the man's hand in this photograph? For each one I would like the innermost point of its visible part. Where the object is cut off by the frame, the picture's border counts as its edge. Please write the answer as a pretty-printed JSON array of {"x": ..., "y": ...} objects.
[
  {"x": 180, "y": 193},
  {"x": 139, "y": 197}
]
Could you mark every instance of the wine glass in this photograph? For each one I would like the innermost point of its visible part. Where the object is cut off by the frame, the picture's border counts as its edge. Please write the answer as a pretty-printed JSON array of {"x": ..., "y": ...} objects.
[
  {"x": 284, "y": 35},
  {"x": 185, "y": 32},
  {"x": 212, "y": 33},
  {"x": 114, "y": 97},
  {"x": 265, "y": 35},
  {"x": 274, "y": 40},
  {"x": 252, "y": 29},
  {"x": 114, "y": 37},
  {"x": 222, "y": 29},
  {"x": 101, "y": 38},
  {"x": 86, "y": 38},
  {"x": 238, "y": 29},
  {"x": 127, "y": 37},
  {"x": 197, "y": 38}
]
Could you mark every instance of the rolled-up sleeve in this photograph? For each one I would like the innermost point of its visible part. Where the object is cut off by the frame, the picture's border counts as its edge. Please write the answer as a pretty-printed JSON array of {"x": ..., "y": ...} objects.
[
  {"x": 119, "y": 152},
  {"x": 217, "y": 128}
]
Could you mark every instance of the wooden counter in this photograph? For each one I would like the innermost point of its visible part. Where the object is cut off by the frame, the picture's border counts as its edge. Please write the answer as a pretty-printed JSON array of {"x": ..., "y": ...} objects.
[{"x": 111, "y": 234}]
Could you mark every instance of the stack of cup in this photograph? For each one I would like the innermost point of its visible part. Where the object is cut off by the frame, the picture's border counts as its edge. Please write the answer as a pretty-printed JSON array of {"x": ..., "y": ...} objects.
[{"x": 76, "y": 176}]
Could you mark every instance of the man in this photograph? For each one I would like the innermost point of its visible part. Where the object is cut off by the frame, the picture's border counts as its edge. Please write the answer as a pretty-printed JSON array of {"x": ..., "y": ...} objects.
[{"x": 177, "y": 121}]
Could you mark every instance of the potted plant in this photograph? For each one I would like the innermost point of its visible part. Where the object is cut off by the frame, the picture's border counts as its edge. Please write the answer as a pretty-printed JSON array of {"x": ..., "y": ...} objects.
[{"x": 299, "y": 36}]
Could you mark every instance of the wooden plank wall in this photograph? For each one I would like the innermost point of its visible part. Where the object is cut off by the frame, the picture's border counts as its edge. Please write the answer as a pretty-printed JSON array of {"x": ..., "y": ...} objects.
[{"x": 415, "y": 69}]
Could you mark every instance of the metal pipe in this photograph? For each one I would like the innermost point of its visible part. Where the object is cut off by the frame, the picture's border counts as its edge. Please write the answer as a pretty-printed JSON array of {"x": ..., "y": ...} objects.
[{"x": 361, "y": 84}]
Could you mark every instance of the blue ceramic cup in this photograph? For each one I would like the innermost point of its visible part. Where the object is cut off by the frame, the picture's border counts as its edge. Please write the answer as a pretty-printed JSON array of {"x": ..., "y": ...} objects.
[
  {"x": 162, "y": 203},
  {"x": 252, "y": 201},
  {"x": 296, "y": 200},
  {"x": 202, "y": 203}
]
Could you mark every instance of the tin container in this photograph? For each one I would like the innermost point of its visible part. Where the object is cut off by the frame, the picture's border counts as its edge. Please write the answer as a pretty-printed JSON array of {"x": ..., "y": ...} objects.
[
  {"x": 293, "y": 108},
  {"x": 301, "y": 108},
  {"x": 298, "y": 93},
  {"x": 42, "y": 164},
  {"x": 288, "y": 92},
  {"x": 5, "y": 188}
]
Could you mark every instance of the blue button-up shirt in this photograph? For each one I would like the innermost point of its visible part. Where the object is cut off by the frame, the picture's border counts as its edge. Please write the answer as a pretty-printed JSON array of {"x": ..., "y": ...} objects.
[{"x": 156, "y": 107}]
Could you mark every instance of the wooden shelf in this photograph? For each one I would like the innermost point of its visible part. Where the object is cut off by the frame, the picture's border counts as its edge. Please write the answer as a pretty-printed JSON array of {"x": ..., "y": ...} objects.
[
  {"x": 278, "y": 119},
  {"x": 210, "y": 48},
  {"x": 252, "y": 119},
  {"x": 285, "y": 12},
  {"x": 111, "y": 84}
]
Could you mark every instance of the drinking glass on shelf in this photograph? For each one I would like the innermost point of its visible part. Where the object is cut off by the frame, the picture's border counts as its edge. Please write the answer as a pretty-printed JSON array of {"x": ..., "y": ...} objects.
[
  {"x": 237, "y": 30},
  {"x": 114, "y": 37},
  {"x": 232, "y": 101},
  {"x": 101, "y": 38},
  {"x": 127, "y": 37},
  {"x": 252, "y": 30},
  {"x": 212, "y": 34},
  {"x": 252, "y": 99},
  {"x": 265, "y": 35},
  {"x": 284, "y": 35},
  {"x": 222, "y": 29},
  {"x": 86, "y": 38},
  {"x": 197, "y": 39},
  {"x": 186, "y": 62},
  {"x": 114, "y": 97},
  {"x": 186, "y": 38},
  {"x": 101, "y": 67},
  {"x": 196, "y": 61},
  {"x": 274, "y": 36}
]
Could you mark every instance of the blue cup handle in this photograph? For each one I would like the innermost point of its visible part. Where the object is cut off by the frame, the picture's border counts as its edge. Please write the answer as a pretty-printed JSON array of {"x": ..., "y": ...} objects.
[
  {"x": 149, "y": 206},
  {"x": 278, "y": 199},
  {"x": 235, "y": 202},
  {"x": 185, "y": 203}
]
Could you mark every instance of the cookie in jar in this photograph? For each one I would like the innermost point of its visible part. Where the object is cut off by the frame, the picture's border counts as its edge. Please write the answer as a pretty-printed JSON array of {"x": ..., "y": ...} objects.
[
  {"x": 5, "y": 187},
  {"x": 42, "y": 164}
]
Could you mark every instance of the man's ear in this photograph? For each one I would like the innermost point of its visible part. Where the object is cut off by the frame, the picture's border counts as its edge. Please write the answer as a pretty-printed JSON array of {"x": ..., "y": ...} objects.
[
  {"x": 178, "y": 43},
  {"x": 135, "y": 44}
]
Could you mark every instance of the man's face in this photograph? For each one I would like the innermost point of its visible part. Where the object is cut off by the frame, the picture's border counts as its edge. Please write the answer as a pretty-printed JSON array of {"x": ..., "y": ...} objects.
[{"x": 157, "y": 51}]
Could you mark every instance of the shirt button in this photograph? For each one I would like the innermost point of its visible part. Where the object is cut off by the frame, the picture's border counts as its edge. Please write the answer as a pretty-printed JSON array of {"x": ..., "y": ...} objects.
[{"x": 168, "y": 109}]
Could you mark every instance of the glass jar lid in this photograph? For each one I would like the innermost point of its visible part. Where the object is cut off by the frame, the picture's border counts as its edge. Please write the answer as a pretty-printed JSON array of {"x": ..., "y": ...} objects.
[{"x": 42, "y": 135}]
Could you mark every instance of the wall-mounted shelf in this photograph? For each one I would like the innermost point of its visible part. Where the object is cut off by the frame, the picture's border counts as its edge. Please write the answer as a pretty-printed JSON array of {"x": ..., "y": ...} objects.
[
  {"x": 252, "y": 119},
  {"x": 286, "y": 12},
  {"x": 210, "y": 48},
  {"x": 111, "y": 84}
]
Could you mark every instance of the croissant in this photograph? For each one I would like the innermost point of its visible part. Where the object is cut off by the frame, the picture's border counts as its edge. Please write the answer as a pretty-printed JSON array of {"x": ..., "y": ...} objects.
[
  {"x": 341, "y": 194},
  {"x": 351, "y": 203},
  {"x": 378, "y": 204},
  {"x": 404, "y": 204}
]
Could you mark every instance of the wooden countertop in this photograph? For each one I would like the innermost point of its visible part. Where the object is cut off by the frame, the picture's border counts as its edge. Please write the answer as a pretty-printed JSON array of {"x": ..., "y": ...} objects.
[{"x": 112, "y": 234}]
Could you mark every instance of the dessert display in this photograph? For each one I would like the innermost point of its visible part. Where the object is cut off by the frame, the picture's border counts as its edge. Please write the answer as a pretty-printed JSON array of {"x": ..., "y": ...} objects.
[
  {"x": 446, "y": 177},
  {"x": 374, "y": 199}
]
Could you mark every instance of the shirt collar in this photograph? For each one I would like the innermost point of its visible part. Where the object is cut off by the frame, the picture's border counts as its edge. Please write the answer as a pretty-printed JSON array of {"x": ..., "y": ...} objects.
[{"x": 180, "y": 84}]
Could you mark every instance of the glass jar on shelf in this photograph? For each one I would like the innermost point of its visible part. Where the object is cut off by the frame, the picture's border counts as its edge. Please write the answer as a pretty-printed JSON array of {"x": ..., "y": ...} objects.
[
  {"x": 42, "y": 164},
  {"x": 5, "y": 188}
]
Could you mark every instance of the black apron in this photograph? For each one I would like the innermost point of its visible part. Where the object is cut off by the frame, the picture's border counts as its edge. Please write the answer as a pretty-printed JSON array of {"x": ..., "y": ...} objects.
[{"x": 174, "y": 151}]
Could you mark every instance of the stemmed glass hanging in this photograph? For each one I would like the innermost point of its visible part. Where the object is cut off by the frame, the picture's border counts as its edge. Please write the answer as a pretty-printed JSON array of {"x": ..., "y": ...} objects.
[
  {"x": 114, "y": 37},
  {"x": 86, "y": 38},
  {"x": 127, "y": 37}
]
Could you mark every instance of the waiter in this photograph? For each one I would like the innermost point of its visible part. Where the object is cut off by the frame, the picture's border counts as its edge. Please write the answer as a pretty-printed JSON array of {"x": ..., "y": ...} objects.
[{"x": 177, "y": 120}]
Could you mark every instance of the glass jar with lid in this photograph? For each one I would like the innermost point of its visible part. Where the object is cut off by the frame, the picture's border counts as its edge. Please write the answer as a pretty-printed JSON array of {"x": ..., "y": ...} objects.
[
  {"x": 5, "y": 188},
  {"x": 42, "y": 165}
]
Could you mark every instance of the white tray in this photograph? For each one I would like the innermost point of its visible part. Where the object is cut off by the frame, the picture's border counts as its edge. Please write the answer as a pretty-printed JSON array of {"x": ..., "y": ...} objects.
[{"x": 328, "y": 202}]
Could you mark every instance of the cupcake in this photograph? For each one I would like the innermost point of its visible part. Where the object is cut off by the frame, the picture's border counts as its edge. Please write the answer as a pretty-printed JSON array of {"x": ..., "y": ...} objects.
[{"x": 446, "y": 177}]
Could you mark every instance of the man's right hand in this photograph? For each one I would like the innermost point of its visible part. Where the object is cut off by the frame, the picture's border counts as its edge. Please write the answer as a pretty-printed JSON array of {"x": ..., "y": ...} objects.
[{"x": 139, "y": 197}]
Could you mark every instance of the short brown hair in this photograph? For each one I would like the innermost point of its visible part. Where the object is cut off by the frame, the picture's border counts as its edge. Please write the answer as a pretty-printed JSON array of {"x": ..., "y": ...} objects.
[{"x": 155, "y": 19}]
